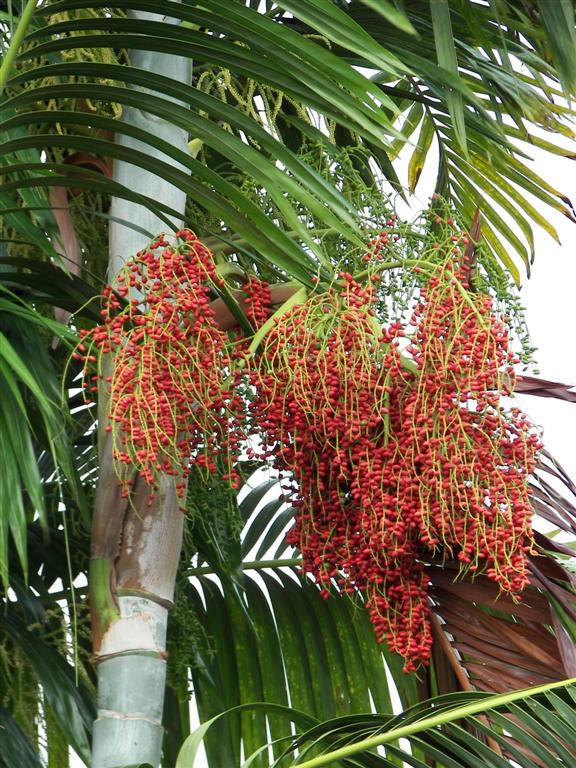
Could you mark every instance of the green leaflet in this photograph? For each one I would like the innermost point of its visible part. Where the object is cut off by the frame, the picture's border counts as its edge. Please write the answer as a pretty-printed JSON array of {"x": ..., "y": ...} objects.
[{"x": 448, "y": 59}]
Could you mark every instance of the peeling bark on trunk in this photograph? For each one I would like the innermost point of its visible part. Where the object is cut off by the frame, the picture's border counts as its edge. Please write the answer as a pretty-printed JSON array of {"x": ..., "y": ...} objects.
[
  {"x": 135, "y": 547},
  {"x": 132, "y": 582}
]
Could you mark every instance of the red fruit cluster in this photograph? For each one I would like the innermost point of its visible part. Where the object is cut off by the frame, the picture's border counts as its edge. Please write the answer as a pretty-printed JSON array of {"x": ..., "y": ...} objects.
[
  {"x": 392, "y": 460},
  {"x": 392, "y": 444},
  {"x": 257, "y": 301},
  {"x": 470, "y": 458},
  {"x": 171, "y": 389},
  {"x": 328, "y": 389}
]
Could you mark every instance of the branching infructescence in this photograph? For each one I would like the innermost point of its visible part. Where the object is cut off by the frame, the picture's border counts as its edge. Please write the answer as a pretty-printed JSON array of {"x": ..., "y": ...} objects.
[{"x": 392, "y": 442}]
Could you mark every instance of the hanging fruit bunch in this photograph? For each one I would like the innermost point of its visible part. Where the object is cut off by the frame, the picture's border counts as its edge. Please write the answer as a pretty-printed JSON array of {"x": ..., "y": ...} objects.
[
  {"x": 172, "y": 396},
  {"x": 472, "y": 458},
  {"x": 395, "y": 445},
  {"x": 329, "y": 384},
  {"x": 392, "y": 442}
]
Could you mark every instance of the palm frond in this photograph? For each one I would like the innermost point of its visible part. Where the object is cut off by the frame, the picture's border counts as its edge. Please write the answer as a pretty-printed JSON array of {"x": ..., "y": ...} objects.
[
  {"x": 496, "y": 645},
  {"x": 531, "y": 385},
  {"x": 30, "y": 416},
  {"x": 43, "y": 696},
  {"x": 491, "y": 49},
  {"x": 72, "y": 705},
  {"x": 255, "y": 114},
  {"x": 533, "y": 726},
  {"x": 16, "y": 749},
  {"x": 319, "y": 655}
]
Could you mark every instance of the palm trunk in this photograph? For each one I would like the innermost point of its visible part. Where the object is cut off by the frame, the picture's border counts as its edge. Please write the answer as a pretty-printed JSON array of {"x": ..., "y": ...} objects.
[
  {"x": 135, "y": 548},
  {"x": 132, "y": 581}
]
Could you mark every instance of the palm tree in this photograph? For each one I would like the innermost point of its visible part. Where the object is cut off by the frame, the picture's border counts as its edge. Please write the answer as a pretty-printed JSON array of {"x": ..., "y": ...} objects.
[{"x": 274, "y": 131}]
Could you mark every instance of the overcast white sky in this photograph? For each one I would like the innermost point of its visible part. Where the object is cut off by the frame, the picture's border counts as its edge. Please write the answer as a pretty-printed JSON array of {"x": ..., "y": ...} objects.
[{"x": 550, "y": 299}]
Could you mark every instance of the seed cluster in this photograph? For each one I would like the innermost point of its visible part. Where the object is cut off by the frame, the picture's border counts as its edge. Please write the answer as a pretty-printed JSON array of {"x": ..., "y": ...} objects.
[
  {"x": 395, "y": 457},
  {"x": 171, "y": 390},
  {"x": 391, "y": 442},
  {"x": 471, "y": 457},
  {"x": 329, "y": 385}
]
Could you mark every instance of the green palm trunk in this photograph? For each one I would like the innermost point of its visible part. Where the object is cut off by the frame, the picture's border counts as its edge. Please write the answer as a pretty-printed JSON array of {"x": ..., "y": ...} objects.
[{"x": 135, "y": 547}]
